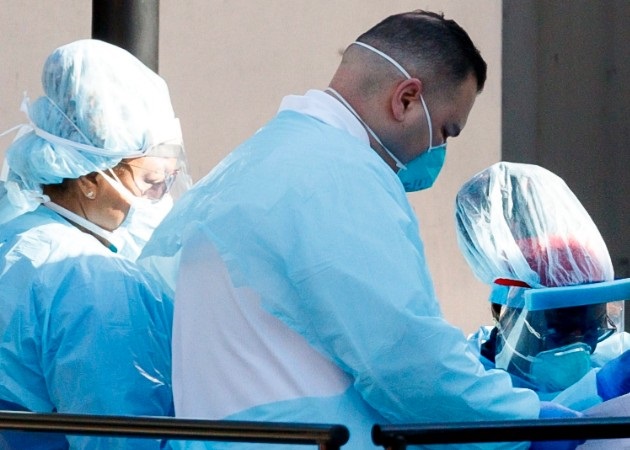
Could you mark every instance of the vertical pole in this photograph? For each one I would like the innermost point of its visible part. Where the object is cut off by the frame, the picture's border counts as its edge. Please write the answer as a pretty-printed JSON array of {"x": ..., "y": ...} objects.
[
  {"x": 327, "y": 446},
  {"x": 130, "y": 24}
]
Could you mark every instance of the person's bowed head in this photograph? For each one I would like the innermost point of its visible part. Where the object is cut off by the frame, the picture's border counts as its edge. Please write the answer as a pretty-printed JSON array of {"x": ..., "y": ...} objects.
[
  {"x": 521, "y": 222},
  {"x": 546, "y": 341},
  {"x": 99, "y": 154},
  {"x": 524, "y": 233},
  {"x": 102, "y": 142}
]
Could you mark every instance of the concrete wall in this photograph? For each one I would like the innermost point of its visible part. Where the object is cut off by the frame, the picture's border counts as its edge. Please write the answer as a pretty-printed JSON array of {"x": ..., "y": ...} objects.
[
  {"x": 567, "y": 103},
  {"x": 228, "y": 64}
]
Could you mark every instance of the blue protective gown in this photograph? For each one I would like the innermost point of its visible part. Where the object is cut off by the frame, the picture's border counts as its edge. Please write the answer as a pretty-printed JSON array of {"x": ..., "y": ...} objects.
[
  {"x": 303, "y": 294},
  {"x": 582, "y": 394},
  {"x": 82, "y": 330}
]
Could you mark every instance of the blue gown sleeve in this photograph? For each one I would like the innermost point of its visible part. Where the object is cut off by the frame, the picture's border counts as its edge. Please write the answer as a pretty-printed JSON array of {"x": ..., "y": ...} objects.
[
  {"x": 315, "y": 223},
  {"x": 340, "y": 261},
  {"x": 106, "y": 347}
]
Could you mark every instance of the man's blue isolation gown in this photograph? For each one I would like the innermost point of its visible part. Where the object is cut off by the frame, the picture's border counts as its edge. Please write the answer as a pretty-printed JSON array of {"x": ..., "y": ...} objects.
[{"x": 303, "y": 293}]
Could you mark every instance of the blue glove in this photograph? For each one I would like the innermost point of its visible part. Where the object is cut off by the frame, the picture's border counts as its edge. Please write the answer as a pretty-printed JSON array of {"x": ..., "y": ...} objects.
[
  {"x": 555, "y": 445},
  {"x": 613, "y": 379},
  {"x": 550, "y": 410}
]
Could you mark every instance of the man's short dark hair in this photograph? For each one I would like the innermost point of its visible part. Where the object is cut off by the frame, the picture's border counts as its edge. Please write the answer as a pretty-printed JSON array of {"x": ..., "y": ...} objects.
[{"x": 427, "y": 41}]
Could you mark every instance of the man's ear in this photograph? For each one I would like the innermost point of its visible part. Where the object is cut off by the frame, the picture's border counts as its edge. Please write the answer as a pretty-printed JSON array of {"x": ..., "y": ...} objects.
[
  {"x": 89, "y": 185},
  {"x": 406, "y": 94}
]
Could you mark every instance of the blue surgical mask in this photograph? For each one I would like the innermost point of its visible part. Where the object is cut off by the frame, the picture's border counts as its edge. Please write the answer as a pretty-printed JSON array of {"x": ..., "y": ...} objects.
[
  {"x": 422, "y": 171},
  {"x": 549, "y": 371},
  {"x": 557, "y": 369}
]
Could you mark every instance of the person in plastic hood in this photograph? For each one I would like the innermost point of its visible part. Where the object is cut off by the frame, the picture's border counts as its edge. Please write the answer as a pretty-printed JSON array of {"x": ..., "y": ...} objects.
[
  {"x": 302, "y": 289},
  {"x": 82, "y": 329},
  {"x": 557, "y": 310}
]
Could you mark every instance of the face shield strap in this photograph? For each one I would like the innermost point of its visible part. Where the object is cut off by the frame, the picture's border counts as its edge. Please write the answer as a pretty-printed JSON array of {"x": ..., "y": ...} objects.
[
  {"x": 18, "y": 195},
  {"x": 26, "y": 103},
  {"x": 17, "y": 127},
  {"x": 23, "y": 129},
  {"x": 503, "y": 358},
  {"x": 87, "y": 148}
]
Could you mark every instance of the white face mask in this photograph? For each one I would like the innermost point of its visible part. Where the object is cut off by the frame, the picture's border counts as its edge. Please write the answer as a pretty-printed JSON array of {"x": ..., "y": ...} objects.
[{"x": 142, "y": 219}]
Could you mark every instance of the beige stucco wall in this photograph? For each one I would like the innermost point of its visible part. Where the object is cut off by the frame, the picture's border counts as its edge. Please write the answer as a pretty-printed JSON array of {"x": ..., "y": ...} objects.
[{"x": 229, "y": 62}]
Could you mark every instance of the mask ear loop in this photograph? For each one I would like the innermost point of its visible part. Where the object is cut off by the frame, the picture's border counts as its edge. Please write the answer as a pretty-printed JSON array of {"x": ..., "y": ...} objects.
[
  {"x": 115, "y": 182},
  {"x": 399, "y": 164},
  {"x": 113, "y": 242},
  {"x": 386, "y": 56},
  {"x": 426, "y": 111},
  {"x": 402, "y": 70}
]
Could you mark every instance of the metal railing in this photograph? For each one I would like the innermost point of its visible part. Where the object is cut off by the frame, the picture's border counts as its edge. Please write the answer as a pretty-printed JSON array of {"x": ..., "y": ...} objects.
[
  {"x": 398, "y": 437},
  {"x": 325, "y": 436}
]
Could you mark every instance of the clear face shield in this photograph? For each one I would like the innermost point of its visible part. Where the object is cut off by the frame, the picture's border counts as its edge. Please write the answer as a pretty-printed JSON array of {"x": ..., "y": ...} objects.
[
  {"x": 549, "y": 344},
  {"x": 153, "y": 182},
  {"x": 162, "y": 171}
]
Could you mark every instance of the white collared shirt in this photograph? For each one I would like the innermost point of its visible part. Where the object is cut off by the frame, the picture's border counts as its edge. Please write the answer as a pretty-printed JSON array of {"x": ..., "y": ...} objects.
[{"x": 328, "y": 109}]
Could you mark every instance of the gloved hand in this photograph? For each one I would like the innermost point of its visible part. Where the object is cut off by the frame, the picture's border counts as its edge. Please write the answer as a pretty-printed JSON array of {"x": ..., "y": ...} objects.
[
  {"x": 613, "y": 379},
  {"x": 550, "y": 410},
  {"x": 554, "y": 445}
]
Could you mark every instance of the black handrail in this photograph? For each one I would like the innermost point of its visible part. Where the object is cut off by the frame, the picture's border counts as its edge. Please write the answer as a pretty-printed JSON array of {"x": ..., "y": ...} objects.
[
  {"x": 397, "y": 437},
  {"x": 325, "y": 436}
]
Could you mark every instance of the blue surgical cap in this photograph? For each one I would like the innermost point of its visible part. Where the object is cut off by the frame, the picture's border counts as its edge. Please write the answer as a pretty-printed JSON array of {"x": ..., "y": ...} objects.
[{"x": 100, "y": 105}]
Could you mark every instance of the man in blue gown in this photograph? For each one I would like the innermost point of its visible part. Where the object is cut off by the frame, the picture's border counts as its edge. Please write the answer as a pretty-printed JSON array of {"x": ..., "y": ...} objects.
[{"x": 302, "y": 288}]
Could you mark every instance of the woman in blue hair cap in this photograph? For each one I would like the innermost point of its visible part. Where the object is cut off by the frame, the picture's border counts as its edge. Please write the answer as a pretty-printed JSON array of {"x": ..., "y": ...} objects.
[{"x": 82, "y": 329}]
